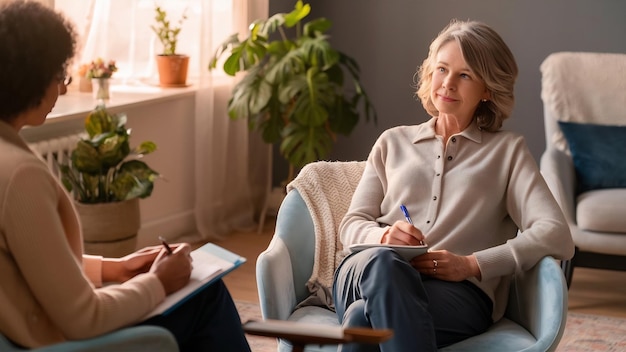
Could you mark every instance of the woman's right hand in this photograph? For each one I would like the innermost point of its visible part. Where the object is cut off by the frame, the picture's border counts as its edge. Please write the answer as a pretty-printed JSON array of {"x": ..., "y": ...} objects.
[
  {"x": 403, "y": 233},
  {"x": 173, "y": 270}
]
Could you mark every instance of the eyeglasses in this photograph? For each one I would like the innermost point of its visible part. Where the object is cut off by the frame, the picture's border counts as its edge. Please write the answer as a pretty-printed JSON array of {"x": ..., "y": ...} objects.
[{"x": 62, "y": 78}]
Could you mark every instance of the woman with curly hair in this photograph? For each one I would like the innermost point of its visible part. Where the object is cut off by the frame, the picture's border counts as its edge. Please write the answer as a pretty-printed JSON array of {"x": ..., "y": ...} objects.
[{"x": 50, "y": 291}]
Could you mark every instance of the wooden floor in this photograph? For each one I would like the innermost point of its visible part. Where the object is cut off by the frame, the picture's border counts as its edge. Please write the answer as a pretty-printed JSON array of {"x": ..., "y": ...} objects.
[{"x": 593, "y": 291}]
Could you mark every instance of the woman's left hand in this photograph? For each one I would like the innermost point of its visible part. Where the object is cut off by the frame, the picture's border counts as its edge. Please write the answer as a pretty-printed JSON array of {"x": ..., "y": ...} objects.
[
  {"x": 131, "y": 265},
  {"x": 445, "y": 265}
]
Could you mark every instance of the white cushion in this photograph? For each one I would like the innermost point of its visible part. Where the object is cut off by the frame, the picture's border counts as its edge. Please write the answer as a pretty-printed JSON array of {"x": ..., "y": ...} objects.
[{"x": 602, "y": 211}]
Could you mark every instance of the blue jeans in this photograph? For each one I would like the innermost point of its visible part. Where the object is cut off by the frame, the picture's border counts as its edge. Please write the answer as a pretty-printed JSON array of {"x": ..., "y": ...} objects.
[
  {"x": 377, "y": 288},
  {"x": 208, "y": 321}
]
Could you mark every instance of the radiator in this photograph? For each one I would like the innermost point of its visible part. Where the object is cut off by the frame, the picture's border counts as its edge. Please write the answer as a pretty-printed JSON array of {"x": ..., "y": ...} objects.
[{"x": 56, "y": 150}]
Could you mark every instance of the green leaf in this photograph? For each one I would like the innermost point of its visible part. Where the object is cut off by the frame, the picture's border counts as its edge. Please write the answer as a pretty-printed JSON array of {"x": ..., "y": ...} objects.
[
  {"x": 250, "y": 96},
  {"x": 134, "y": 179},
  {"x": 271, "y": 25},
  {"x": 348, "y": 121},
  {"x": 288, "y": 61},
  {"x": 271, "y": 129},
  {"x": 316, "y": 27},
  {"x": 312, "y": 106},
  {"x": 85, "y": 158},
  {"x": 302, "y": 145},
  {"x": 222, "y": 48},
  {"x": 320, "y": 53},
  {"x": 92, "y": 186},
  {"x": 299, "y": 12},
  {"x": 144, "y": 148},
  {"x": 99, "y": 121},
  {"x": 289, "y": 90},
  {"x": 113, "y": 150}
]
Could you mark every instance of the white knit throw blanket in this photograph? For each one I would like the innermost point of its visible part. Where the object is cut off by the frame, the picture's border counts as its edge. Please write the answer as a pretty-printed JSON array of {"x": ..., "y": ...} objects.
[{"x": 327, "y": 188}]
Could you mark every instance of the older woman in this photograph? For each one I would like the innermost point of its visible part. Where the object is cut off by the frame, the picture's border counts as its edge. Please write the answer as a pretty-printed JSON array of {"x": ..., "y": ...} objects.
[
  {"x": 49, "y": 291},
  {"x": 475, "y": 196}
]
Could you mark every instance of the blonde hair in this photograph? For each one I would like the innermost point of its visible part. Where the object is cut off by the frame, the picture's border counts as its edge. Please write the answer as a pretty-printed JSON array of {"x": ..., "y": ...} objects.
[{"x": 491, "y": 60}]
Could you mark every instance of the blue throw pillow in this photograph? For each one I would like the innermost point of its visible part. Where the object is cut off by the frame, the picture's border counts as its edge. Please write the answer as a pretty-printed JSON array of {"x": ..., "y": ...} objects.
[{"x": 599, "y": 154}]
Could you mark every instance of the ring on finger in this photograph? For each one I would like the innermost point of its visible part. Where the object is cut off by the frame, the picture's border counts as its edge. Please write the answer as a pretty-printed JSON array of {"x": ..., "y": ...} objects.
[{"x": 435, "y": 263}]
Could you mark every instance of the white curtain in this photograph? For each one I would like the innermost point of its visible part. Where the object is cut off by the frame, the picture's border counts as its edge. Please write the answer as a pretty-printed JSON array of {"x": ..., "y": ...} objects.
[{"x": 231, "y": 161}]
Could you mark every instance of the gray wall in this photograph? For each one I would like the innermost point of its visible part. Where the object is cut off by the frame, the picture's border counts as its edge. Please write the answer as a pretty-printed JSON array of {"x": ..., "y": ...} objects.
[{"x": 390, "y": 38}]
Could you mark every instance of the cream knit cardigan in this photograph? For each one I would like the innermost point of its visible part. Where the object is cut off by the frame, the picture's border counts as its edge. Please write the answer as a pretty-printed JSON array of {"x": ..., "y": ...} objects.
[{"x": 326, "y": 187}]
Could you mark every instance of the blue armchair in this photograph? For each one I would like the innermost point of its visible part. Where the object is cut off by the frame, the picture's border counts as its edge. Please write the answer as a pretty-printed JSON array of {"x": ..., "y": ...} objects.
[
  {"x": 137, "y": 338},
  {"x": 534, "y": 320}
]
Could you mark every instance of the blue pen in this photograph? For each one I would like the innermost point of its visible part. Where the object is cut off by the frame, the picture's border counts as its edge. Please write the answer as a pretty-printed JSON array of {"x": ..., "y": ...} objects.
[
  {"x": 408, "y": 218},
  {"x": 406, "y": 214}
]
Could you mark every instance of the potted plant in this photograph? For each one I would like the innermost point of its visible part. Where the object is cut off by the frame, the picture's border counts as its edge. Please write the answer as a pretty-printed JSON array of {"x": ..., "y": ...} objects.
[
  {"x": 171, "y": 65},
  {"x": 107, "y": 180},
  {"x": 99, "y": 72},
  {"x": 295, "y": 91}
]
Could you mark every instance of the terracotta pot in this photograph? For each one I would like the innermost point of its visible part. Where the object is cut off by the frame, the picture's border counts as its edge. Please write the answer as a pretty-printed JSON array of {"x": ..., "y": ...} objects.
[
  {"x": 172, "y": 70},
  {"x": 85, "y": 85},
  {"x": 110, "y": 229}
]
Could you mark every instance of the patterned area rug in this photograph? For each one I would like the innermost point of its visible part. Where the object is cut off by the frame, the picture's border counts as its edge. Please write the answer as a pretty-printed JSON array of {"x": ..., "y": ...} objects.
[
  {"x": 583, "y": 332},
  {"x": 586, "y": 333},
  {"x": 251, "y": 311}
]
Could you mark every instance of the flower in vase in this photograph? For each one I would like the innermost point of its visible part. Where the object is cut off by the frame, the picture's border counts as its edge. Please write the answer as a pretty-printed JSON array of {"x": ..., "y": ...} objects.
[{"x": 100, "y": 69}]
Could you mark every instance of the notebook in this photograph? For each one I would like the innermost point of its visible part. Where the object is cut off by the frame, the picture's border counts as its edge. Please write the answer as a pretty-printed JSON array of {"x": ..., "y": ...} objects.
[{"x": 407, "y": 252}]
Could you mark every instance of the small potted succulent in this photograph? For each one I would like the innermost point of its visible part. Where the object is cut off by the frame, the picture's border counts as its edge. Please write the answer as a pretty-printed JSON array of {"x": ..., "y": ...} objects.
[
  {"x": 172, "y": 66},
  {"x": 107, "y": 180}
]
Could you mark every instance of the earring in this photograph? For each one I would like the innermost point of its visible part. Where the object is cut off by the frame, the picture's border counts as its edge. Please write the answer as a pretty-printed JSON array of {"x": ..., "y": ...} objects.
[{"x": 484, "y": 100}]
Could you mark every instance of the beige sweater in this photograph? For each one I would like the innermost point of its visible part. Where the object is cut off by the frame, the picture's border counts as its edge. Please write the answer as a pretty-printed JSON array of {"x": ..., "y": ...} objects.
[
  {"x": 469, "y": 198},
  {"x": 48, "y": 290}
]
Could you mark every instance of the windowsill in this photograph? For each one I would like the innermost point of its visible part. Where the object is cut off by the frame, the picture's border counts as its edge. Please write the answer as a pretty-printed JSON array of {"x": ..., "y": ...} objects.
[{"x": 76, "y": 105}]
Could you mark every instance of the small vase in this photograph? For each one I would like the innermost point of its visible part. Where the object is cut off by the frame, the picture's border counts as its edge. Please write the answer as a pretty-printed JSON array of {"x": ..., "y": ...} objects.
[{"x": 101, "y": 91}]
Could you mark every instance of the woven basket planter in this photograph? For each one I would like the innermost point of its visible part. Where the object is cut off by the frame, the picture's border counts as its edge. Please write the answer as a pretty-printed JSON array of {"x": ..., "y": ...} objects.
[{"x": 110, "y": 229}]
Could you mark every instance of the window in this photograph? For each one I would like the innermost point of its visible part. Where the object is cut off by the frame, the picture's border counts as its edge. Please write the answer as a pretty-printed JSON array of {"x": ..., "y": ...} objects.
[{"x": 121, "y": 30}]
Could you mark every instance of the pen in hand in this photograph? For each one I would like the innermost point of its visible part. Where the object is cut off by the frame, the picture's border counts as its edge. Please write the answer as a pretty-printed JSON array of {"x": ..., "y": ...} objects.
[
  {"x": 167, "y": 246},
  {"x": 408, "y": 218}
]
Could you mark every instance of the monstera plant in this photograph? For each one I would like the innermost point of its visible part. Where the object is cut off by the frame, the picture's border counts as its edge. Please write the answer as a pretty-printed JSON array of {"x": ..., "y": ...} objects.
[
  {"x": 298, "y": 90},
  {"x": 103, "y": 168}
]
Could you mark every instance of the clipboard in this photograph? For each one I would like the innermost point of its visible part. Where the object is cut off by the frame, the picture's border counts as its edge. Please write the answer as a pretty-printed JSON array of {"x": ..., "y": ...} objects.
[{"x": 210, "y": 263}]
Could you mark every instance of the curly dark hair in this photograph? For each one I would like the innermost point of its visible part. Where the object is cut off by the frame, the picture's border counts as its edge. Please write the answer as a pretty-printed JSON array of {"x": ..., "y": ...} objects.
[{"x": 37, "y": 46}]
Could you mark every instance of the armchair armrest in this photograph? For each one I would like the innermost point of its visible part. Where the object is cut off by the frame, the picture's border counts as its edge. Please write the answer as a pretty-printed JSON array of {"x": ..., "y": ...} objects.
[
  {"x": 538, "y": 302},
  {"x": 557, "y": 169},
  {"x": 275, "y": 281},
  {"x": 283, "y": 269},
  {"x": 301, "y": 334},
  {"x": 145, "y": 337}
]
